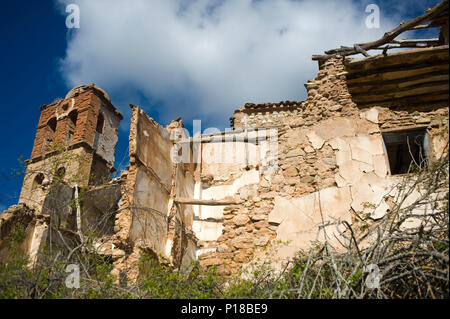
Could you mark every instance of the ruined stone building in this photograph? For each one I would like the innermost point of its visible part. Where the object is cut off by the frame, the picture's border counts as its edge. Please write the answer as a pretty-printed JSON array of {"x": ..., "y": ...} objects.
[{"x": 280, "y": 171}]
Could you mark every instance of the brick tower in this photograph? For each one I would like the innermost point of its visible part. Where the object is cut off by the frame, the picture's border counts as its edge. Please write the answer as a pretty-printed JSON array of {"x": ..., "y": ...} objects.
[{"x": 75, "y": 142}]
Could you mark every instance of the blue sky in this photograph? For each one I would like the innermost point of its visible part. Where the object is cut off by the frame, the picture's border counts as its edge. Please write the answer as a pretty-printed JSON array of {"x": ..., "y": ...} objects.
[{"x": 199, "y": 59}]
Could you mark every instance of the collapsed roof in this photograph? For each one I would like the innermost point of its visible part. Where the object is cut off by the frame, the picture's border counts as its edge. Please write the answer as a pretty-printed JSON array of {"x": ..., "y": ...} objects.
[{"x": 413, "y": 78}]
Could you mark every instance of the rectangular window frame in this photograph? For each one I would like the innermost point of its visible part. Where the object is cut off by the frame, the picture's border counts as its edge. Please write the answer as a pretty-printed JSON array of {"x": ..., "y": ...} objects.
[{"x": 402, "y": 131}]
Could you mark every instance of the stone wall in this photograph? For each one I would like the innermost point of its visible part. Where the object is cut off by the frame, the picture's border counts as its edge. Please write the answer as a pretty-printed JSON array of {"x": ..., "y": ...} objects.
[
  {"x": 22, "y": 219},
  {"x": 16, "y": 216},
  {"x": 264, "y": 114},
  {"x": 232, "y": 164},
  {"x": 332, "y": 163},
  {"x": 77, "y": 164}
]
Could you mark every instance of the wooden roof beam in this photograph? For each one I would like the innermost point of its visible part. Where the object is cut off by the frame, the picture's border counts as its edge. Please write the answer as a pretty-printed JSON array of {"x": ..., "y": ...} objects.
[
  {"x": 425, "y": 26},
  {"x": 388, "y": 36},
  {"x": 206, "y": 202},
  {"x": 432, "y": 40}
]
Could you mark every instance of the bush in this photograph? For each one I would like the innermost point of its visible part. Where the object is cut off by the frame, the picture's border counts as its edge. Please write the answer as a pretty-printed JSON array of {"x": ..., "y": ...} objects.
[{"x": 404, "y": 262}]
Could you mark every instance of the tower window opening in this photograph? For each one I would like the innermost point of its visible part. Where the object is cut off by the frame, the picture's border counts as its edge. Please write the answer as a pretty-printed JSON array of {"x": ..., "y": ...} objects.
[
  {"x": 100, "y": 123},
  {"x": 38, "y": 180},
  {"x": 60, "y": 173},
  {"x": 48, "y": 140},
  {"x": 70, "y": 134},
  {"x": 73, "y": 116},
  {"x": 52, "y": 124}
]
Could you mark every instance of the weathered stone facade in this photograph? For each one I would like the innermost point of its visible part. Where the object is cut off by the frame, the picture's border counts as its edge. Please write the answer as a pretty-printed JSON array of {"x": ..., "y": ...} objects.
[
  {"x": 282, "y": 171},
  {"x": 331, "y": 163}
]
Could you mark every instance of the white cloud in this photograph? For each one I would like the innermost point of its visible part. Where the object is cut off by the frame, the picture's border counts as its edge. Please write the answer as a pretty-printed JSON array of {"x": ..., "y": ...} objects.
[{"x": 206, "y": 58}]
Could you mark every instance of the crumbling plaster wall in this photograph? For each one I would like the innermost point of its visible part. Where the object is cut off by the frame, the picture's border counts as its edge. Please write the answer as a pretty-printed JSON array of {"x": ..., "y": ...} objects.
[
  {"x": 182, "y": 227},
  {"x": 230, "y": 163},
  {"x": 209, "y": 220},
  {"x": 331, "y": 164},
  {"x": 148, "y": 219}
]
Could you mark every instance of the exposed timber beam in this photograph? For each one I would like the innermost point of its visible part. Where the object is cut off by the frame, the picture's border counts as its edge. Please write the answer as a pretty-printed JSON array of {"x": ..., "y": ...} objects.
[
  {"x": 439, "y": 53},
  {"x": 206, "y": 202},
  {"x": 434, "y": 97},
  {"x": 415, "y": 40},
  {"x": 398, "y": 68},
  {"x": 399, "y": 91},
  {"x": 404, "y": 81}
]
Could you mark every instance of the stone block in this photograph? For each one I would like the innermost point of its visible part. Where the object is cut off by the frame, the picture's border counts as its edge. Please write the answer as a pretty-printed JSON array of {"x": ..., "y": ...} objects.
[
  {"x": 316, "y": 141},
  {"x": 241, "y": 219}
]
